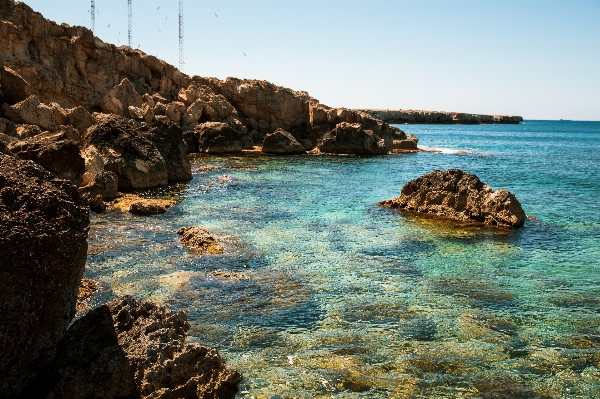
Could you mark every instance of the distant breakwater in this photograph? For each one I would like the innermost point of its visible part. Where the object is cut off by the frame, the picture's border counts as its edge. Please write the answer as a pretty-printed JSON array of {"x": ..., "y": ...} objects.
[{"x": 439, "y": 117}]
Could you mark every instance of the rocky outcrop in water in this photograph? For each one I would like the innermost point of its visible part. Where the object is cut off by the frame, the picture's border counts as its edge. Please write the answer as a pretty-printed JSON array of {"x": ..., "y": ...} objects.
[
  {"x": 43, "y": 249},
  {"x": 130, "y": 349},
  {"x": 349, "y": 138},
  {"x": 199, "y": 239},
  {"x": 460, "y": 196},
  {"x": 281, "y": 142},
  {"x": 439, "y": 117}
]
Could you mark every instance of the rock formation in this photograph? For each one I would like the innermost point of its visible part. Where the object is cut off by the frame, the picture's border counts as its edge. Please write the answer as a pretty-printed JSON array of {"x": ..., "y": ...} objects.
[
  {"x": 349, "y": 138},
  {"x": 142, "y": 206},
  {"x": 197, "y": 238},
  {"x": 439, "y": 117},
  {"x": 43, "y": 249},
  {"x": 460, "y": 196},
  {"x": 130, "y": 349},
  {"x": 281, "y": 142}
]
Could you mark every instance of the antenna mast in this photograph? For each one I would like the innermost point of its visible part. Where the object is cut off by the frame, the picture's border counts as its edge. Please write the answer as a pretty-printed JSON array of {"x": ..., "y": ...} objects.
[
  {"x": 181, "y": 35},
  {"x": 93, "y": 12},
  {"x": 129, "y": 21}
]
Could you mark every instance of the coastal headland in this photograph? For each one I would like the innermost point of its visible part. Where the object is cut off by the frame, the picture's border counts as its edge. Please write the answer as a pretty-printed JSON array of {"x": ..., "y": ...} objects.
[{"x": 402, "y": 116}]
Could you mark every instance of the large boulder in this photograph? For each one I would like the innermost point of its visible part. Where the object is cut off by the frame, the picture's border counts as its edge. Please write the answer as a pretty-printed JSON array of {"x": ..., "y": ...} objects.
[
  {"x": 454, "y": 194},
  {"x": 349, "y": 138},
  {"x": 217, "y": 138},
  {"x": 118, "y": 100},
  {"x": 168, "y": 139},
  {"x": 282, "y": 142},
  {"x": 43, "y": 247},
  {"x": 31, "y": 111},
  {"x": 57, "y": 152},
  {"x": 130, "y": 349}
]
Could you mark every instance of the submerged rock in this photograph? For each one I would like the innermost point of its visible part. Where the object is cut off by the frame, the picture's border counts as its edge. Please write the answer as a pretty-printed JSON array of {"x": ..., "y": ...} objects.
[
  {"x": 142, "y": 206},
  {"x": 459, "y": 196},
  {"x": 195, "y": 237},
  {"x": 281, "y": 142},
  {"x": 131, "y": 349},
  {"x": 43, "y": 247}
]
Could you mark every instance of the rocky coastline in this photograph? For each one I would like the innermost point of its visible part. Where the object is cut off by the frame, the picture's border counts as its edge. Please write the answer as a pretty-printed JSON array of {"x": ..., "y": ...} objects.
[{"x": 409, "y": 116}]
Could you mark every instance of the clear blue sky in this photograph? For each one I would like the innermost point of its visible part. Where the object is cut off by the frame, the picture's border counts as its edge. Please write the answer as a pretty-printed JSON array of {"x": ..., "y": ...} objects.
[{"x": 538, "y": 59}]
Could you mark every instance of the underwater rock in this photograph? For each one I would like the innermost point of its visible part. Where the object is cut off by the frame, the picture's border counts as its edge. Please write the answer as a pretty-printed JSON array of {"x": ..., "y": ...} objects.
[
  {"x": 132, "y": 349},
  {"x": 281, "y": 142},
  {"x": 142, "y": 206},
  {"x": 460, "y": 196},
  {"x": 43, "y": 249},
  {"x": 195, "y": 237}
]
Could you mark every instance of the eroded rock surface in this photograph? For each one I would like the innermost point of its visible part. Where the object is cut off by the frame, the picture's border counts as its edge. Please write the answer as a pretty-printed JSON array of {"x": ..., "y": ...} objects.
[
  {"x": 197, "y": 238},
  {"x": 281, "y": 142},
  {"x": 217, "y": 138},
  {"x": 349, "y": 138},
  {"x": 457, "y": 195},
  {"x": 131, "y": 349},
  {"x": 43, "y": 247}
]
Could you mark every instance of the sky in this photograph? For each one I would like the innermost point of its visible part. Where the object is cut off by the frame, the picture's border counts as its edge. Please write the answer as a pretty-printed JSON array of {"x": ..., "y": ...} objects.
[{"x": 538, "y": 59}]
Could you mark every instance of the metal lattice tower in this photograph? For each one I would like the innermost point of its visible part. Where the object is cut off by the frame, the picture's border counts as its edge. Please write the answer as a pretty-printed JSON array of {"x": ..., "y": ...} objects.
[
  {"x": 93, "y": 13},
  {"x": 181, "y": 35},
  {"x": 129, "y": 21}
]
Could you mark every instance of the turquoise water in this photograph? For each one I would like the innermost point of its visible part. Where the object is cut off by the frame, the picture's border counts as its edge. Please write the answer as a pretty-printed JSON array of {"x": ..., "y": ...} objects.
[{"x": 323, "y": 294}]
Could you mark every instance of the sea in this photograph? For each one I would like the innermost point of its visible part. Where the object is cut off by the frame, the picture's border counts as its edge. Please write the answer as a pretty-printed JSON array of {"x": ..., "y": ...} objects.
[{"x": 323, "y": 294}]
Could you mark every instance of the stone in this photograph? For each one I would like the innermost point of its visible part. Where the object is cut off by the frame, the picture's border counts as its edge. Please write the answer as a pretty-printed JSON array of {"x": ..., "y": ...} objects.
[
  {"x": 118, "y": 100},
  {"x": 56, "y": 152},
  {"x": 173, "y": 113},
  {"x": 104, "y": 184},
  {"x": 126, "y": 152},
  {"x": 142, "y": 206},
  {"x": 24, "y": 131},
  {"x": 43, "y": 248},
  {"x": 217, "y": 138},
  {"x": 349, "y": 138},
  {"x": 32, "y": 112},
  {"x": 281, "y": 142},
  {"x": 79, "y": 118},
  {"x": 159, "y": 109},
  {"x": 197, "y": 238},
  {"x": 135, "y": 113},
  {"x": 192, "y": 113},
  {"x": 190, "y": 141},
  {"x": 168, "y": 139},
  {"x": 60, "y": 114},
  {"x": 132, "y": 349},
  {"x": 8, "y": 127},
  {"x": 460, "y": 196},
  {"x": 14, "y": 87},
  {"x": 147, "y": 113},
  {"x": 147, "y": 98},
  {"x": 247, "y": 143}
]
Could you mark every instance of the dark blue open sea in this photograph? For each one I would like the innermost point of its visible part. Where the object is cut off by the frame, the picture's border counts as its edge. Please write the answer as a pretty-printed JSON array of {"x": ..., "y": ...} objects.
[{"x": 322, "y": 294}]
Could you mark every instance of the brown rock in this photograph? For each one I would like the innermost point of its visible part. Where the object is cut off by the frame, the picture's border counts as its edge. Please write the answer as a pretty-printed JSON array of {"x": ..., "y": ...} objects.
[
  {"x": 197, "y": 238},
  {"x": 460, "y": 196},
  {"x": 118, "y": 100},
  {"x": 14, "y": 87},
  {"x": 32, "y": 112},
  {"x": 105, "y": 185},
  {"x": 43, "y": 248},
  {"x": 79, "y": 118},
  {"x": 218, "y": 138},
  {"x": 130, "y": 349},
  {"x": 349, "y": 138},
  {"x": 193, "y": 113},
  {"x": 56, "y": 152},
  {"x": 142, "y": 206},
  {"x": 281, "y": 142},
  {"x": 24, "y": 131}
]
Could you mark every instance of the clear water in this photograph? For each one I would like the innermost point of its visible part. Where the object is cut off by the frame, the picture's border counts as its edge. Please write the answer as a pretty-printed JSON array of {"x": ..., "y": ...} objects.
[{"x": 323, "y": 294}]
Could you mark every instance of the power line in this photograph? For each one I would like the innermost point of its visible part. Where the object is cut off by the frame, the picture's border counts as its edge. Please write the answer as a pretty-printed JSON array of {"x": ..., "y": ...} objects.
[
  {"x": 181, "y": 35},
  {"x": 93, "y": 12},
  {"x": 129, "y": 21}
]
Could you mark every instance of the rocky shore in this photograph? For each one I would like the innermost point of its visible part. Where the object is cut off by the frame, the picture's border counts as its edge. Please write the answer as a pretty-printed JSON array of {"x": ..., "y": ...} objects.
[{"x": 410, "y": 116}]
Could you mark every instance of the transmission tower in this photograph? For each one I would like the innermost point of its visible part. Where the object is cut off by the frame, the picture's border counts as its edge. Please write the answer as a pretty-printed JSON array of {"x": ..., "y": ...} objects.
[
  {"x": 181, "y": 35},
  {"x": 129, "y": 21},
  {"x": 93, "y": 13}
]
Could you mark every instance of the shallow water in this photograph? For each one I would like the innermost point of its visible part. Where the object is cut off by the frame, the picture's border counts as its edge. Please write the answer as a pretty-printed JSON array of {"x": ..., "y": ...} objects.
[{"x": 323, "y": 294}]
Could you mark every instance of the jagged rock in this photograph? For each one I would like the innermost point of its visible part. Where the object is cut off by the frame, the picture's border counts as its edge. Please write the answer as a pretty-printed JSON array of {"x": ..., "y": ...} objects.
[
  {"x": 43, "y": 248},
  {"x": 147, "y": 98},
  {"x": 142, "y": 206},
  {"x": 173, "y": 113},
  {"x": 14, "y": 87},
  {"x": 79, "y": 118},
  {"x": 147, "y": 113},
  {"x": 135, "y": 112},
  {"x": 247, "y": 143},
  {"x": 60, "y": 115},
  {"x": 197, "y": 238},
  {"x": 131, "y": 349},
  {"x": 118, "y": 100},
  {"x": 56, "y": 152},
  {"x": 32, "y": 112},
  {"x": 159, "y": 109},
  {"x": 141, "y": 157},
  {"x": 460, "y": 196},
  {"x": 23, "y": 132},
  {"x": 168, "y": 139},
  {"x": 281, "y": 142},
  {"x": 349, "y": 138},
  {"x": 193, "y": 113},
  {"x": 190, "y": 141},
  {"x": 8, "y": 127},
  {"x": 126, "y": 152},
  {"x": 93, "y": 164},
  {"x": 217, "y": 138}
]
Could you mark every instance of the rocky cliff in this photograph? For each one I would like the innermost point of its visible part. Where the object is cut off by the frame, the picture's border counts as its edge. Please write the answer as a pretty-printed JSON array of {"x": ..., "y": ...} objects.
[{"x": 439, "y": 117}]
